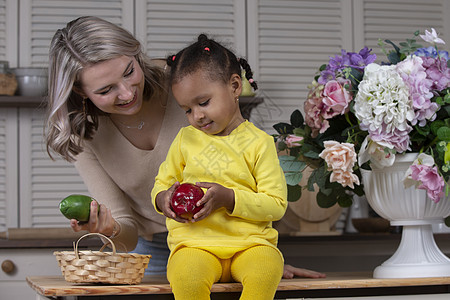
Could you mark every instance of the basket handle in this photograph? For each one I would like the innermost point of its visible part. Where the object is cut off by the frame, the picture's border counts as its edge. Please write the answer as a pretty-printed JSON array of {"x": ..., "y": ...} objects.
[{"x": 97, "y": 234}]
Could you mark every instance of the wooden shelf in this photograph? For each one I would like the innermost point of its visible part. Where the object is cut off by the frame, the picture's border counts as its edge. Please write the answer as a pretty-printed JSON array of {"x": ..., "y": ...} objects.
[{"x": 21, "y": 101}]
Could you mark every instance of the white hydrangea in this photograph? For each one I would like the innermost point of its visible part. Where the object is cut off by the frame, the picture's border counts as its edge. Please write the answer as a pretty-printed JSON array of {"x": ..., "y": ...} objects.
[{"x": 382, "y": 101}]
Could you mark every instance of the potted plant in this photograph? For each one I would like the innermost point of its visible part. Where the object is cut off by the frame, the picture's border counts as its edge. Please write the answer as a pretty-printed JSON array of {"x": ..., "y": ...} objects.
[{"x": 362, "y": 117}]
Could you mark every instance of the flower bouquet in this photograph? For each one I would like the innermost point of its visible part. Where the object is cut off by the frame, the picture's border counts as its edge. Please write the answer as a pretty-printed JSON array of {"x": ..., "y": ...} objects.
[{"x": 360, "y": 114}]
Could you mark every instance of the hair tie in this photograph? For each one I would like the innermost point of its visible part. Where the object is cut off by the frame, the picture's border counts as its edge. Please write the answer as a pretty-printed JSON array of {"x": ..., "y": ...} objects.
[
  {"x": 206, "y": 49},
  {"x": 173, "y": 57},
  {"x": 251, "y": 80}
]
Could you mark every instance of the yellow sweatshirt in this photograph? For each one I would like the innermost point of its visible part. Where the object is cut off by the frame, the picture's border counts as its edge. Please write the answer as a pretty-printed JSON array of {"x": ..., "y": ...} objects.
[{"x": 245, "y": 161}]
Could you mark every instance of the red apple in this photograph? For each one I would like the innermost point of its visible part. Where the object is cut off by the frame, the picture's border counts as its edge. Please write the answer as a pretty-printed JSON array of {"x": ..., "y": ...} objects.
[{"x": 184, "y": 200}]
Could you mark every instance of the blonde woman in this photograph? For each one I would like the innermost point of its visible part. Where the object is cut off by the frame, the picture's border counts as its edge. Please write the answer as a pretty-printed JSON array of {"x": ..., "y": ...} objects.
[{"x": 111, "y": 113}]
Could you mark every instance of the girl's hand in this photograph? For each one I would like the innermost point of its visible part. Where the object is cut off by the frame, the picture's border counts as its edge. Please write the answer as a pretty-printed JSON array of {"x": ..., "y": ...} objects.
[
  {"x": 216, "y": 196},
  {"x": 163, "y": 203},
  {"x": 291, "y": 272},
  {"x": 100, "y": 220}
]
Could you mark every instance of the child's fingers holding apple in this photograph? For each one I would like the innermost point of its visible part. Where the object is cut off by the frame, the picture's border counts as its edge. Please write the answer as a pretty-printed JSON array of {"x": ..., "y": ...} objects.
[
  {"x": 216, "y": 196},
  {"x": 163, "y": 202}
]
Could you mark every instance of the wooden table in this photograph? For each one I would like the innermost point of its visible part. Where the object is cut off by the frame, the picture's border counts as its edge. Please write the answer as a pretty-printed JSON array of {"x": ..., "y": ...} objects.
[{"x": 335, "y": 285}]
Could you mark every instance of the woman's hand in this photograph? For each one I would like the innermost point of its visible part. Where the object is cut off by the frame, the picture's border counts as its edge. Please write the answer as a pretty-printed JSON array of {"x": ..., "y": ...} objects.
[
  {"x": 100, "y": 220},
  {"x": 216, "y": 196},
  {"x": 163, "y": 203},
  {"x": 290, "y": 272}
]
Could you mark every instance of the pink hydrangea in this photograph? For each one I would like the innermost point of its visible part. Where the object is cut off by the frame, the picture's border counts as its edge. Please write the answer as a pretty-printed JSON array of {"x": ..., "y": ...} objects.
[
  {"x": 315, "y": 111},
  {"x": 415, "y": 77},
  {"x": 396, "y": 139},
  {"x": 437, "y": 72}
]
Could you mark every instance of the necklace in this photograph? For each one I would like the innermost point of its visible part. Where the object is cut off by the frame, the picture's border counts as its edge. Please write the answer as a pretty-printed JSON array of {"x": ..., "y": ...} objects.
[{"x": 138, "y": 127}]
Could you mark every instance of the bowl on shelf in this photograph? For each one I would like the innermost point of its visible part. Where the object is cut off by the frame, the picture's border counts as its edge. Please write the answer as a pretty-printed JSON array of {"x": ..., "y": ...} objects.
[{"x": 31, "y": 81}]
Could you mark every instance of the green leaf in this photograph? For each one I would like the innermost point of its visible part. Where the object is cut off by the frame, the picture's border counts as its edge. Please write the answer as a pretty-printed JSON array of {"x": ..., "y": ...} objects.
[
  {"x": 282, "y": 146},
  {"x": 311, "y": 154},
  {"x": 440, "y": 101},
  {"x": 443, "y": 134},
  {"x": 394, "y": 57},
  {"x": 397, "y": 49},
  {"x": 283, "y": 128},
  {"x": 318, "y": 176},
  {"x": 294, "y": 192},
  {"x": 325, "y": 201},
  {"x": 345, "y": 200},
  {"x": 290, "y": 164},
  {"x": 425, "y": 130},
  {"x": 436, "y": 125},
  {"x": 293, "y": 178},
  {"x": 297, "y": 119},
  {"x": 298, "y": 131}
]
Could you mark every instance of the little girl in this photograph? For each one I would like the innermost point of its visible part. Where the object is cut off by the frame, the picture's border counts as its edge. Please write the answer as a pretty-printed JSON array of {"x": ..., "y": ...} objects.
[{"x": 231, "y": 238}]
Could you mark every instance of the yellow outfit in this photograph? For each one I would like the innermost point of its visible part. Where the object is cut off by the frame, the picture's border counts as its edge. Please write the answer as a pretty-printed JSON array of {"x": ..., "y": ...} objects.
[{"x": 245, "y": 161}]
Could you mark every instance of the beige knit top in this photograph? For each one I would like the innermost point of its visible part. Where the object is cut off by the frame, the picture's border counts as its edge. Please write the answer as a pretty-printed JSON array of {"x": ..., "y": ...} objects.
[{"x": 122, "y": 176}]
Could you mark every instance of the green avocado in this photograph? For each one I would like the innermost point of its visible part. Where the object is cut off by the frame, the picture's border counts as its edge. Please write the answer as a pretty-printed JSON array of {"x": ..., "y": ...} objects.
[{"x": 76, "y": 207}]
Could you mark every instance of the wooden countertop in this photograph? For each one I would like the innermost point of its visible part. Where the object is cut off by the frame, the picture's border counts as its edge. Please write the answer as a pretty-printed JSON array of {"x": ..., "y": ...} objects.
[{"x": 54, "y": 286}]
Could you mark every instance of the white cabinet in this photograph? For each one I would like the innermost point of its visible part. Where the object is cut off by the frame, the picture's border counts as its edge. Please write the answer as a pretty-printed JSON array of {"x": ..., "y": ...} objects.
[{"x": 27, "y": 262}]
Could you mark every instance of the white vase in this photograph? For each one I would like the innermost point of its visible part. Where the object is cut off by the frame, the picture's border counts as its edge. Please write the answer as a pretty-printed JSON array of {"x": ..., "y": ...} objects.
[{"x": 417, "y": 255}]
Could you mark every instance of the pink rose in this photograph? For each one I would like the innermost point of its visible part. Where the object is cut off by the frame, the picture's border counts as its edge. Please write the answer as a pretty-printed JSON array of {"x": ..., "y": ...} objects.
[
  {"x": 336, "y": 97},
  {"x": 345, "y": 178},
  {"x": 339, "y": 156},
  {"x": 293, "y": 140}
]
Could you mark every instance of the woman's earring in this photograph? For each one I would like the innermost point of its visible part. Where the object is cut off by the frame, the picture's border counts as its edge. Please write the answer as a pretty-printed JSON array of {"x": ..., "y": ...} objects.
[{"x": 237, "y": 99}]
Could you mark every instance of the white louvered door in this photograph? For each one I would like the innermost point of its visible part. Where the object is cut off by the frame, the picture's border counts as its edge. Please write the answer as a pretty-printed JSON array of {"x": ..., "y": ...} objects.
[
  {"x": 8, "y": 32},
  {"x": 43, "y": 182},
  {"x": 39, "y": 19},
  {"x": 289, "y": 41},
  {"x": 397, "y": 20},
  {"x": 9, "y": 214},
  {"x": 166, "y": 26}
]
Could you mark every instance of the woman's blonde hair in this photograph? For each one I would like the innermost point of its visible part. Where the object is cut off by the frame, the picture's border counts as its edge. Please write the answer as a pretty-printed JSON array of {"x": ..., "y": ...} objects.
[{"x": 82, "y": 43}]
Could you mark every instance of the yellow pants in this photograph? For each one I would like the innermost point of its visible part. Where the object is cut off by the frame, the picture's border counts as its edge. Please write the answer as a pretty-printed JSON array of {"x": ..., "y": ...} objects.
[{"x": 192, "y": 272}]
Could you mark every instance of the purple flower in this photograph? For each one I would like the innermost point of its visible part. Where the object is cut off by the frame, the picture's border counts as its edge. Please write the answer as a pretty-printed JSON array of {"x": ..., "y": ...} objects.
[
  {"x": 362, "y": 59},
  {"x": 347, "y": 59},
  {"x": 431, "y": 52}
]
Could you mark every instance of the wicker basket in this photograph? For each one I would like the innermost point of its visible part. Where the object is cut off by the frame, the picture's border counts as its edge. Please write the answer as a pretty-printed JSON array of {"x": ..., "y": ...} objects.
[
  {"x": 8, "y": 84},
  {"x": 104, "y": 267}
]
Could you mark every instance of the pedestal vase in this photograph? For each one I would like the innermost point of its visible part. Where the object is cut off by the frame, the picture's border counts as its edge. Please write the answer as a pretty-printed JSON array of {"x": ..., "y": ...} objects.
[{"x": 417, "y": 255}]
